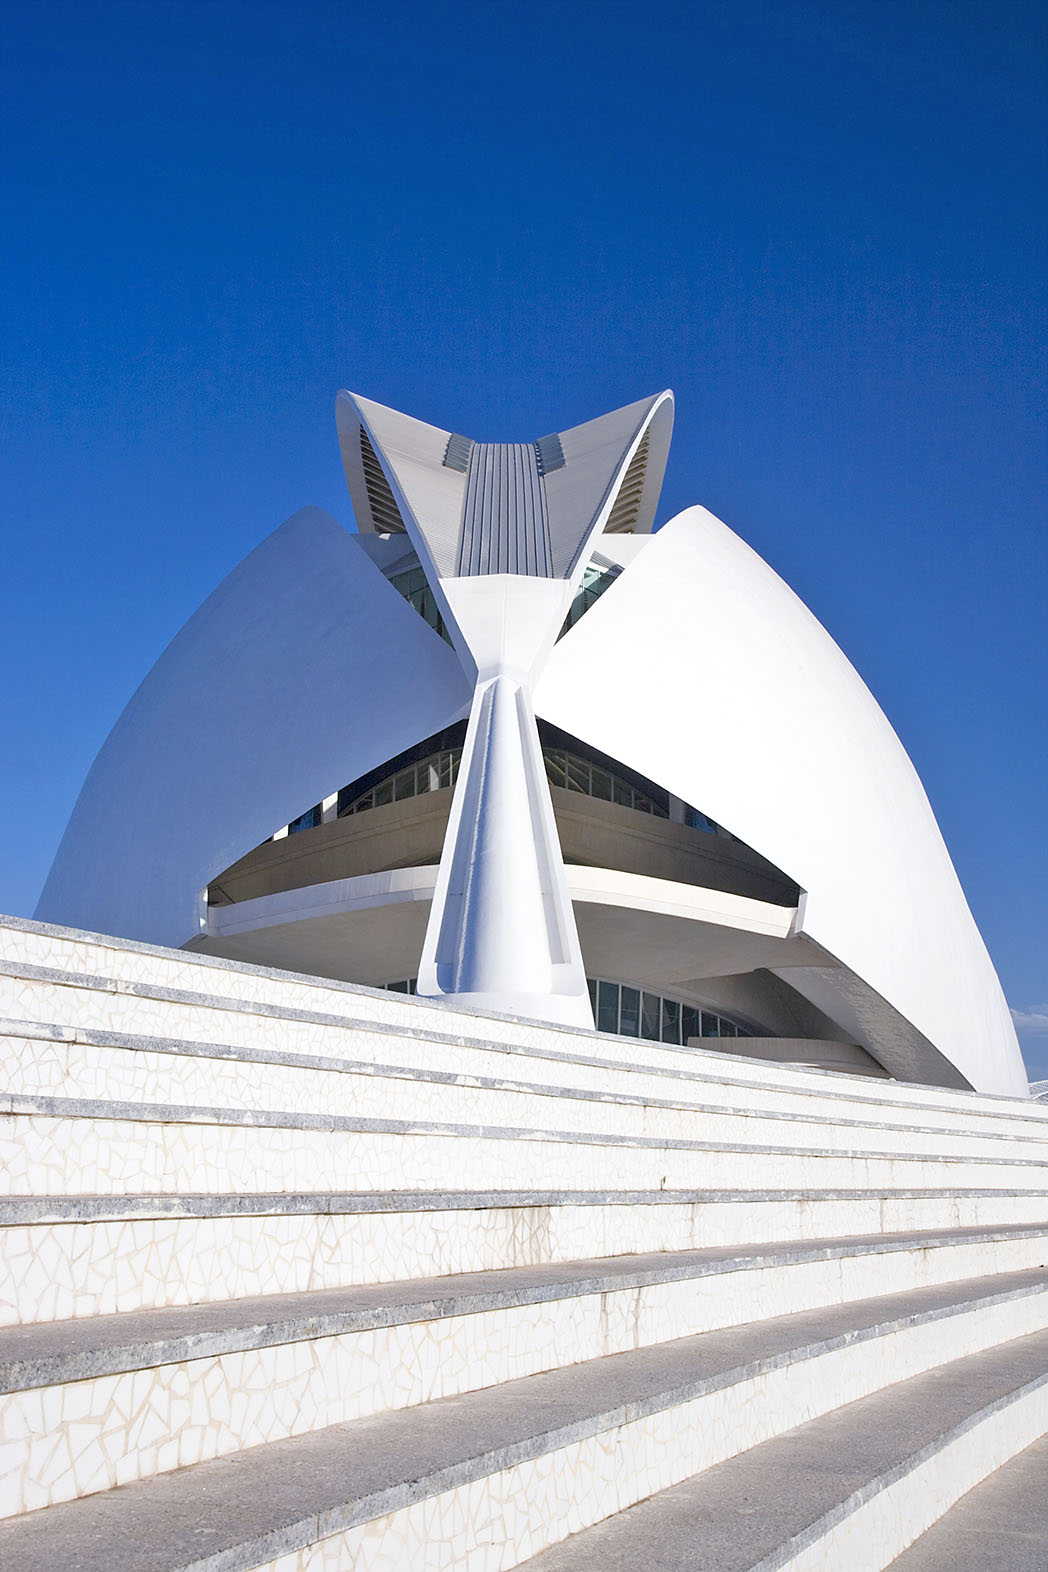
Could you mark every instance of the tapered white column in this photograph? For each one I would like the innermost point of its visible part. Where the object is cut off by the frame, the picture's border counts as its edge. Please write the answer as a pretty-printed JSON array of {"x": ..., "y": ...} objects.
[{"x": 502, "y": 931}]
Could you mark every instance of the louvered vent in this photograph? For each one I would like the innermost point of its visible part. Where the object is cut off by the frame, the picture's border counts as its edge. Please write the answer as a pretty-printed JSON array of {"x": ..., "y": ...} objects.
[
  {"x": 623, "y": 516},
  {"x": 384, "y": 510},
  {"x": 457, "y": 452}
]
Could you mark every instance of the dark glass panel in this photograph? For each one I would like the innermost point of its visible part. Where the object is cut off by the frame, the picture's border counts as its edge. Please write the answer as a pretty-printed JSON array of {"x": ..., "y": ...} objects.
[
  {"x": 649, "y": 1017},
  {"x": 690, "y": 1022},
  {"x": 555, "y": 766},
  {"x": 607, "y": 1007},
  {"x": 578, "y": 774},
  {"x": 670, "y": 1021},
  {"x": 306, "y": 821},
  {"x": 629, "y": 1017},
  {"x": 709, "y": 1025},
  {"x": 601, "y": 786}
]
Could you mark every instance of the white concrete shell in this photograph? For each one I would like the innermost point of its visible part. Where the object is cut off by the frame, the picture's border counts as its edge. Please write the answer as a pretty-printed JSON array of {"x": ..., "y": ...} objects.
[
  {"x": 303, "y": 669},
  {"x": 703, "y": 668}
]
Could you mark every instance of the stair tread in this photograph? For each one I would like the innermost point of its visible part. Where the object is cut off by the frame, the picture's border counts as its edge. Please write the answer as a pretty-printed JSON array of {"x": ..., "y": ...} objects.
[
  {"x": 259, "y": 1503},
  {"x": 841, "y": 1113},
  {"x": 38, "y": 1354},
  {"x": 707, "y": 1064},
  {"x": 25, "y": 1210},
  {"x": 751, "y": 1507},
  {"x": 1000, "y": 1526},
  {"x": 255, "y": 1118}
]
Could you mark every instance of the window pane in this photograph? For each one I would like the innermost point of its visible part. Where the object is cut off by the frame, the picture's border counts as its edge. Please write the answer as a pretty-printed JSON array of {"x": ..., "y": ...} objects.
[
  {"x": 367, "y": 801},
  {"x": 601, "y": 784},
  {"x": 592, "y": 986},
  {"x": 555, "y": 767},
  {"x": 629, "y": 1018},
  {"x": 623, "y": 793},
  {"x": 578, "y": 774},
  {"x": 383, "y": 793},
  {"x": 709, "y": 1024},
  {"x": 670, "y": 1021},
  {"x": 404, "y": 784},
  {"x": 727, "y": 1028},
  {"x": 649, "y": 1016},
  {"x": 690, "y": 1024},
  {"x": 607, "y": 1007}
]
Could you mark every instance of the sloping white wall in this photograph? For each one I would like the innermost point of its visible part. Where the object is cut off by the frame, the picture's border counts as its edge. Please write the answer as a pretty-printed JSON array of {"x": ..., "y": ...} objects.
[
  {"x": 700, "y": 668},
  {"x": 302, "y": 670}
]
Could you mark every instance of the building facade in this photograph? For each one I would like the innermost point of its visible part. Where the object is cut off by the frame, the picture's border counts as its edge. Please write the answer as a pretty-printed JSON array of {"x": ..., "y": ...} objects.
[{"x": 508, "y": 747}]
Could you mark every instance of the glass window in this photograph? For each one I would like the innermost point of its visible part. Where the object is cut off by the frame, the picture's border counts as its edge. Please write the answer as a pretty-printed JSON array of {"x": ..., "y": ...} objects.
[
  {"x": 670, "y": 1021},
  {"x": 607, "y": 1007},
  {"x": 578, "y": 774},
  {"x": 601, "y": 784},
  {"x": 649, "y": 1016},
  {"x": 306, "y": 821},
  {"x": 383, "y": 793},
  {"x": 404, "y": 784},
  {"x": 555, "y": 767},
  {"x": 629, "y": 1012},
  {"x": 633, "y": 1013}
]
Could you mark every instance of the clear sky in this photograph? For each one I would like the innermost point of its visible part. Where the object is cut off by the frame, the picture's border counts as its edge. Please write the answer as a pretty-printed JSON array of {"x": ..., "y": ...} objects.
[{"x": 821, "y": 222}]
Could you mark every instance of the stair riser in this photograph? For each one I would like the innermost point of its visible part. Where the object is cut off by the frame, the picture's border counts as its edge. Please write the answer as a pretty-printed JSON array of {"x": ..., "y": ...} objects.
[
  {"x": 45, "y": 1155},
  {"x": 108, "y": 1430},
  {"x": 57, "y": 1271},
  {"x": 129, "y": 966},
  {"x": 88, "y": 1071},
  {"x": 874, "y": 1532},
  {"x": 747, "y": 1086},
  {"x": 503, "y": 1517}
]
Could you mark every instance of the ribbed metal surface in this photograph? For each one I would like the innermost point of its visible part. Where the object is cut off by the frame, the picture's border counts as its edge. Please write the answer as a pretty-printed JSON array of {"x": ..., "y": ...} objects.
[
  {"x": 550, "y": 454},
  {"x": 456, "y": 454},
  {"x": 384, "y": 509},
  {"x": 505, "y": 527}
]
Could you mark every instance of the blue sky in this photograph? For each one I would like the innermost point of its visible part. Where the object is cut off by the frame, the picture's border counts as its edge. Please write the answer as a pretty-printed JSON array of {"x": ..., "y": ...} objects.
[{"x": 822, "y": 224}]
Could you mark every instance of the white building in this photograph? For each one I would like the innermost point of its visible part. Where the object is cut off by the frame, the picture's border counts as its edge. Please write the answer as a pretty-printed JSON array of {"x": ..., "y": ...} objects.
[{"x": 508, "y": 747}]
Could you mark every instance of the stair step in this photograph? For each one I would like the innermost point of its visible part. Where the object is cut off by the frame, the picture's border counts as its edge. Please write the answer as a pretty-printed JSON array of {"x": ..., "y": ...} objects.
[
  {"x": 182, "y": 1076},
  {"x": 723, "y": 1286},
  {"x": 41, "y": 963},
  {"x": 81, "y": 1256},
  {"x": 51, "y": 1061},
  {"x": 141, "y": 1147},
  {"x": 531, "y": 1459},
  {"x": 999, "y": 1526},
  {"x": 851, "y": 1488}
]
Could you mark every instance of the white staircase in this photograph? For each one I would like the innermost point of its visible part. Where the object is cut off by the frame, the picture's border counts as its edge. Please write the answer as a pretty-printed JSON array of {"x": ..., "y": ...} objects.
[{"x": 305, "y": 1276}]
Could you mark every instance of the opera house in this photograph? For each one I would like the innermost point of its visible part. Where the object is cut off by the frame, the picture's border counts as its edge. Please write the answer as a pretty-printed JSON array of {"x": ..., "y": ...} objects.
[
  {"x": 503, "y": 1074},
  {"x": 509, "y": 747}
]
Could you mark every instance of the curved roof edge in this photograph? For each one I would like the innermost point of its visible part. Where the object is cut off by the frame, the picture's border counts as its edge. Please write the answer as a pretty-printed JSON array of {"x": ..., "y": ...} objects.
[
  {"x": 782, "y": 742},
  {"x": 303, "y": 669}
]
